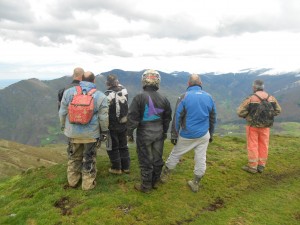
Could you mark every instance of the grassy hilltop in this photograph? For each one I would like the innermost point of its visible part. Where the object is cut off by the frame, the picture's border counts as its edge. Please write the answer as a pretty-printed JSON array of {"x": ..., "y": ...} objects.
[{"x": 228, "y": 195}]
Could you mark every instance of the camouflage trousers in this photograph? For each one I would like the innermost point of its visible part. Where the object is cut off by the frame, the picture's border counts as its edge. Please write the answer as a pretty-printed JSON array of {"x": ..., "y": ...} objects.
[{"x": 82, "y": 164}]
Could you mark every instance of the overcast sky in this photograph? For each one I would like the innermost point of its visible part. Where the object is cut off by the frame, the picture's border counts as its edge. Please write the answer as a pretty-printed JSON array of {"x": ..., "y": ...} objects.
[{"x": 47, "y": 39}]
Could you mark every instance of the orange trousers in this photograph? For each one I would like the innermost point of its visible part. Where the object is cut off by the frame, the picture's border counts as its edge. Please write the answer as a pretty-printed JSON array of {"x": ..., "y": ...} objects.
[{"x": 257, "y": 145}]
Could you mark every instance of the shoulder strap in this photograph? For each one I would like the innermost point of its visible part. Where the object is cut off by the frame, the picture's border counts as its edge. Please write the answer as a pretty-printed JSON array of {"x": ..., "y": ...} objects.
[
  {"x": 107, "y": 92},
  {"x": 92, "y": 91},
  {"x": 261, "y": 98},
  {"x": 79, "y": 90}
]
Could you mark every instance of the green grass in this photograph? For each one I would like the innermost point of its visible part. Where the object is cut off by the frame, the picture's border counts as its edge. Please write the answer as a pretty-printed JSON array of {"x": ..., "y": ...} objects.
[
  {"x": 279, "y": 128},
  {"x": 51, "y": 136},
  {"x": 290, "y": 129},
  {"x": 228, "y": 195}
]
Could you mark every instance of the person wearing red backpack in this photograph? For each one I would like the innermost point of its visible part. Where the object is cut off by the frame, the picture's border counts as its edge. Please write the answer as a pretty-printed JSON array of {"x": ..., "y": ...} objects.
[
  {"x": 258, "y": 126},
  {"x": 77, "y": 77},
  {"x": 84, "y": 135}
]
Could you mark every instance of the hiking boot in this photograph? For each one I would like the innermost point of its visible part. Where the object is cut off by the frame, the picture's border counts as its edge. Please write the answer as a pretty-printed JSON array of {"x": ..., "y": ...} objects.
[
  {"x": 156, "y": 184},
  {"x": 249, "y": 169},
  {"x": 165, "y": 175},
  {"x": 115, "y": 171},
  {"x": 126, "y": 171},
  {"x": 67, "y": 186},
  {"x": 260, "y": 168},
  {"x": 140, "y": 188},
  {"x": 194, "y": 184}
]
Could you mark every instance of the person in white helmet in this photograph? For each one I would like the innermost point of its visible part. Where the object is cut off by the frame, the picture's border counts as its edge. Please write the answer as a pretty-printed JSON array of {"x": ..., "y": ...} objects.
[{"x": 149, "y": 113}]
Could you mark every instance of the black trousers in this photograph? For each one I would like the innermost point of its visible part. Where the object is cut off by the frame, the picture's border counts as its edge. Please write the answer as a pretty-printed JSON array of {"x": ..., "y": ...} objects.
[
  {"x": 118, "y": 153},
  {"x": 150, "y": 160}
]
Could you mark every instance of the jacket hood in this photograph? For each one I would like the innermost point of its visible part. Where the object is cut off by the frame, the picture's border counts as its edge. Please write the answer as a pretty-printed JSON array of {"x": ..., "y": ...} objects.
[
  {"x": 194, "y": 87},
  {"x": 87, "y": 85}
]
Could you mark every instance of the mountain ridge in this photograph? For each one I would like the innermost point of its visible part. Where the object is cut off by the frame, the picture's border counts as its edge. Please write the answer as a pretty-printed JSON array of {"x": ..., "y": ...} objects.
[{"x": 30, "y": 114}]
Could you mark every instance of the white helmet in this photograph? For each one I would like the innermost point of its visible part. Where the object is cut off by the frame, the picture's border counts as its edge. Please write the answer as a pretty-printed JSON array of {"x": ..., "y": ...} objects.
[{"x": 151, "y": 78}]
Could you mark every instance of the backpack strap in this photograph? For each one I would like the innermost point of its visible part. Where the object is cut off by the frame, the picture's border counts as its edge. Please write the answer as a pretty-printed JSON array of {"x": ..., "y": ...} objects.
[
  {"x": 92, "y": 91},
  {"x": 79, "y": 90},
  {"x": 261, "y": 98}
]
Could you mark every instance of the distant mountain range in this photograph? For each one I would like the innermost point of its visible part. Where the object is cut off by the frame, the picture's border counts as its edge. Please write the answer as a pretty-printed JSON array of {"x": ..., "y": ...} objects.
[
  {"x": 28, "y": 112},
  {"x": 5, "y": 83}
]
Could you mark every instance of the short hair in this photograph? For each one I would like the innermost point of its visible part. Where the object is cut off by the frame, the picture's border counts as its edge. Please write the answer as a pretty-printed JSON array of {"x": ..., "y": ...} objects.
[
  {"x": 112, "y": 80},
  {"x": 258, "y": 85},
  {"x": 88, "y": 76},
  {"x": 78, "y": 72},
  {"x": 194, "y": 79}
]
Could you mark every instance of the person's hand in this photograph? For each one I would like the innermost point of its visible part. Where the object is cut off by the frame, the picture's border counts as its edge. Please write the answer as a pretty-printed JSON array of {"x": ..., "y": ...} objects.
[
  {"x": 174, "y": 141},
  {"x": 130, "y": 138},
  {"x": 165, "y": 136},
  {"x": 211, "y": 138},
  {"x": 103, "y": 137}
]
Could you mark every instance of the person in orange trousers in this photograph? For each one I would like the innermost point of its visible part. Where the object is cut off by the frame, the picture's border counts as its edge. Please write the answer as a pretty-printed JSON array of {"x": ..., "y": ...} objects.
[{"x": 257, "y": 129}]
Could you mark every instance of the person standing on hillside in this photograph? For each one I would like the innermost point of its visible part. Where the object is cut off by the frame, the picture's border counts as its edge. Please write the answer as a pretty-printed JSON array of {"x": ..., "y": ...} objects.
[
  {"x": 84, "y": 138},
  {"x": 77, "y": 77},
  {"x": 150, "y": 113},
  {"x": 258, "y": 125},
  {"x": 117, "y": 148},
  {"x": 194, "y": 121}
]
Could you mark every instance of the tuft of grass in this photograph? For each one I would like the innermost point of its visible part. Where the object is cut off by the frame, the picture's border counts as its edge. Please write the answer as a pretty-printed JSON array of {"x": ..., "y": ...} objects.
[{"x": 228, "y": 195}]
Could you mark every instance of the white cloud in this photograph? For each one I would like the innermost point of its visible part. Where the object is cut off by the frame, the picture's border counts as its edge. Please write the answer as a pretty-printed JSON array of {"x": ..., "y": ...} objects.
[{"x": 48, "y": 38}]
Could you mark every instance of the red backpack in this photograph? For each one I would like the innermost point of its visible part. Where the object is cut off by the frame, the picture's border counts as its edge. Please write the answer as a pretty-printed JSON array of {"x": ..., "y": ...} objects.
[{"x": 81, "y": 108}]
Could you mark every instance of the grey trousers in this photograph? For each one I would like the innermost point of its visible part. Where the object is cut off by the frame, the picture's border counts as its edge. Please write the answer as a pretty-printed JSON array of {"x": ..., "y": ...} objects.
[{"x": 185, "y": 145}]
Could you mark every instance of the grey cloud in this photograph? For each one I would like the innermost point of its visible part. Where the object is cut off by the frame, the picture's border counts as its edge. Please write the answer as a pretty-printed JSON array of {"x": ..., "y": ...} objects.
[
  {"x": 287, "y": 19},
  {"x": 18, "y": 23},
  {"x": 111, "y": 48},
  {"x": 90, "y": 48},
  {"x": 194, "y": 52},
  {"x": 177, "y": 27},
  {"x": 55, "y": 30},
  {"x": 115, "y": 50},
  {"x": 199, "y": 52},
  {"x": 257, "y": 25},
  {"x": 122, "y": 9},
  {"x": 14, "y": 10}
]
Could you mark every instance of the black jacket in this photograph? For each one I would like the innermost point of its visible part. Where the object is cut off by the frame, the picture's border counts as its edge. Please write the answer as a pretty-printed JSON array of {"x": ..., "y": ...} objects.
[
  {"x": 113, "y": 120},
  {"x": 150, "y": 113},
  {"x": 61, "y": 91}
]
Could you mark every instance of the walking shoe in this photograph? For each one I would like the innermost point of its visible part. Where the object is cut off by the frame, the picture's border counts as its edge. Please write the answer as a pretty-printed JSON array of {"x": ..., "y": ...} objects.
[
  {"x": 156, "y": 184},
  {"x": 115, "y": 171},
  {"x": 165, "y": 175},
  {"x": 140, "y": 188},
  {"x": 249, "y": 169},
  {"x": 126, "y": 171},
  {"x": 67, "y": 186},
  {"x": 194, "y": 185},
  {"x": 260, "y": 168}
]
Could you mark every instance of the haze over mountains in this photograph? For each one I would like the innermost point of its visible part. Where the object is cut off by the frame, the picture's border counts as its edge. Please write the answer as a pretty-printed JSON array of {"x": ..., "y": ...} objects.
[{"x": 28, "y": 112}]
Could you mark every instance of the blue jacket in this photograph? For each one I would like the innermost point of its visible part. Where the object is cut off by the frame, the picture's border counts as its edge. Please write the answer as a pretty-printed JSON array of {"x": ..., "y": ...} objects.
[
  {"x": 195, "y": 114},
  {"x": 99, "y": 120}
]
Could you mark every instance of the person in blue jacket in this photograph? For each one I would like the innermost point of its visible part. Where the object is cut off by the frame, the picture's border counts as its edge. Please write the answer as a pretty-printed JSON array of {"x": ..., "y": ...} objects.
[{"x": 194, "y": 121}]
